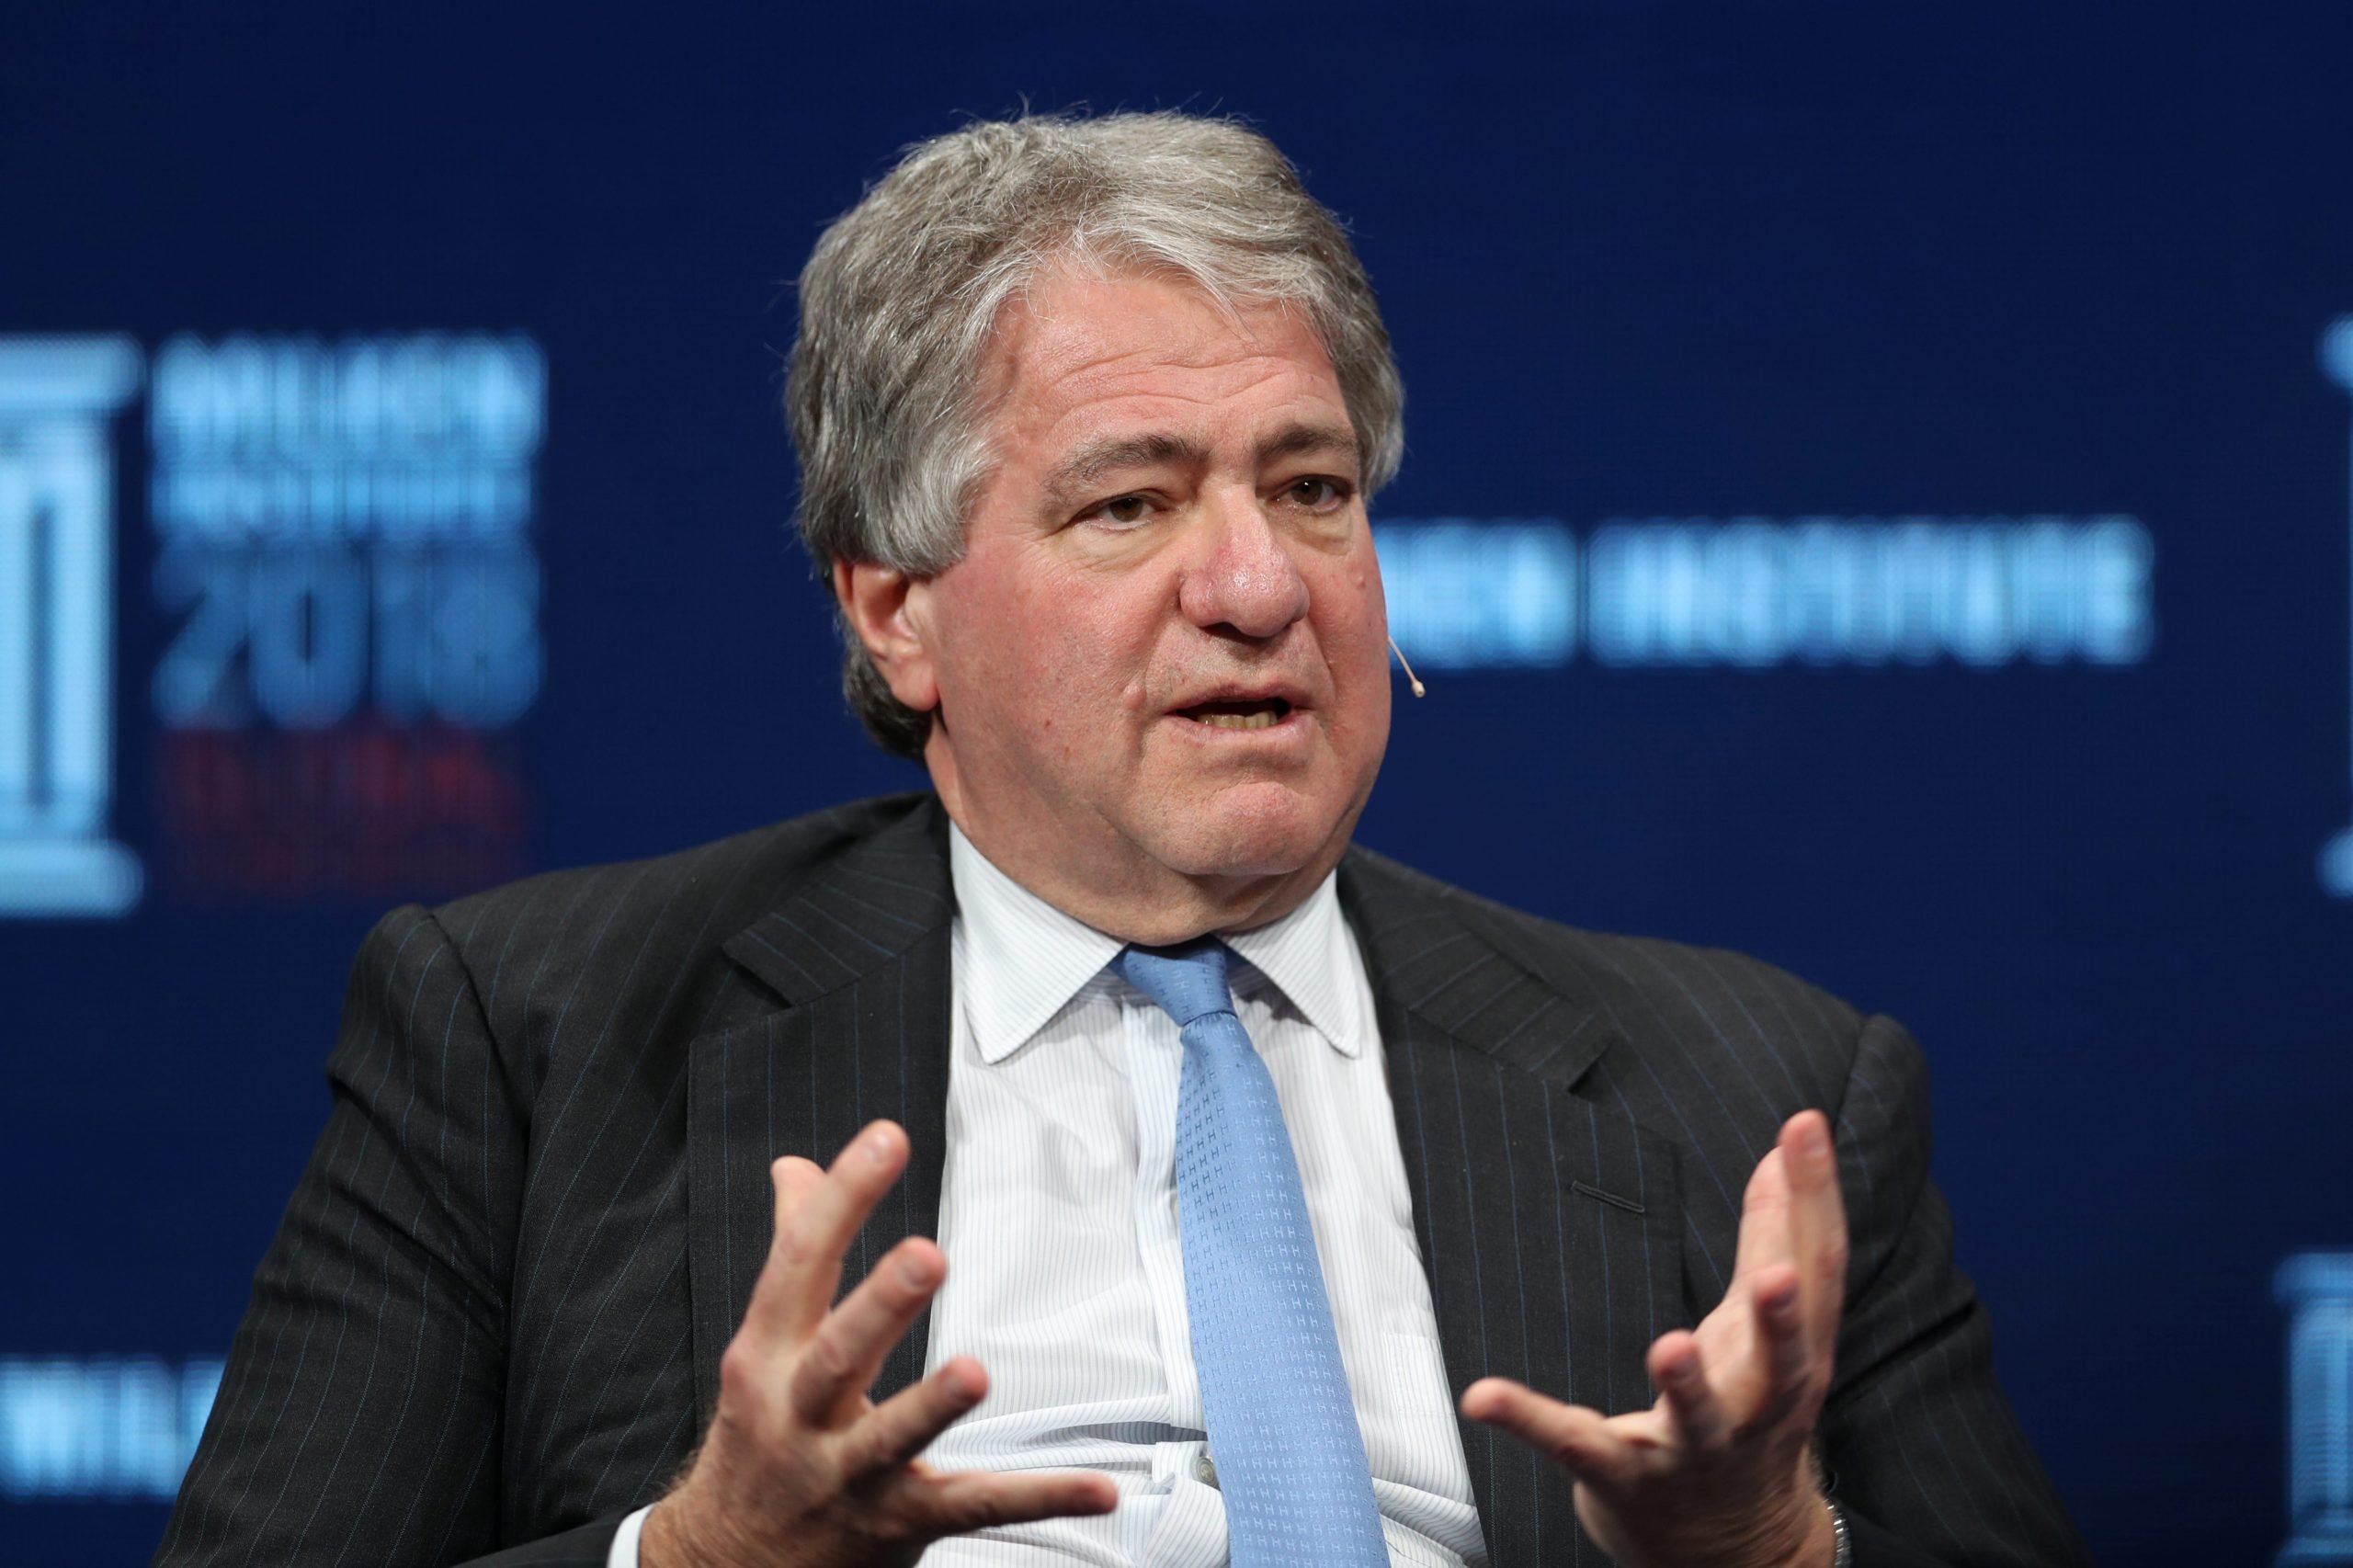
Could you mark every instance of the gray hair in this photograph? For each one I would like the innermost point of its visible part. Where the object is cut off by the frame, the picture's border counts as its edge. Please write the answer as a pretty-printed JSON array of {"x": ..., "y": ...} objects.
[{"x": 900, "y": 297}]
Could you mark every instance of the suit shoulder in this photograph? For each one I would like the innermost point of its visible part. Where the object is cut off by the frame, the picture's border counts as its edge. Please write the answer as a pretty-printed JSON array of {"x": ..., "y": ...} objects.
[
  {"x": 659, "y": 914},
  {"x": 1648, "y": 985}
]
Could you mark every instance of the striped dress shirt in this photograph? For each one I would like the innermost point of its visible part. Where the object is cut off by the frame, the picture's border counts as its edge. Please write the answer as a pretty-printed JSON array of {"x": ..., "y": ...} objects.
[{"x": 1058, "y": 1214}]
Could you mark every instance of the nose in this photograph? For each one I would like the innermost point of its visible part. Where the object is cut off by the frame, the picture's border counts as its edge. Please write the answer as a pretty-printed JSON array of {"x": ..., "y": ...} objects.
[{"x": 1244, "y": 579}]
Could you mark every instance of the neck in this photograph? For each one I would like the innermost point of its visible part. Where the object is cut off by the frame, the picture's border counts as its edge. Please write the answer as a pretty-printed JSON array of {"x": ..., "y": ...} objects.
[
  {"x": 1126, "y": 894},
  {"x": 1173, "y": 909}
]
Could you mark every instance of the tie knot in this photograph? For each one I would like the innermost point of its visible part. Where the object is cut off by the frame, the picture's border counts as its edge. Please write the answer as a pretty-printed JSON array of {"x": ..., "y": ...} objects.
[{"x": 1186, "y": 981}]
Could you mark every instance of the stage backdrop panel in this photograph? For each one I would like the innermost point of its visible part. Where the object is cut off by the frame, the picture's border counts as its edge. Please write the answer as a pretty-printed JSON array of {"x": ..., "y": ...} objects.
[{"x": 1876, "y": 496}]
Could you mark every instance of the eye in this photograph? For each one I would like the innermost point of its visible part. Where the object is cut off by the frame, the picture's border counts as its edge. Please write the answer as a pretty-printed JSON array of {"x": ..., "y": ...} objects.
[
  {"x": 1316, "y": 493},
  {"x": 1123, "y": 510}
]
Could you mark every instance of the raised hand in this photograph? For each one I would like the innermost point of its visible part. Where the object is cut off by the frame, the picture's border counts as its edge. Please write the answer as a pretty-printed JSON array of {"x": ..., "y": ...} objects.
[
  {"x": 1717, "y": 1471},
  {"x": 799, "y": 1467}
]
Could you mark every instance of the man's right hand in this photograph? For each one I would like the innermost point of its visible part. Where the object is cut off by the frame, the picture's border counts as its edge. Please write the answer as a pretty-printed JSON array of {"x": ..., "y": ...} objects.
[{"x": 799, "y": 1467}]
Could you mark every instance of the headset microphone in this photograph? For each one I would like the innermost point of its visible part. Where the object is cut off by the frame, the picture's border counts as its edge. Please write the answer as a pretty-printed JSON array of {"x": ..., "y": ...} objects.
[{"x": 1411, "y": 678}]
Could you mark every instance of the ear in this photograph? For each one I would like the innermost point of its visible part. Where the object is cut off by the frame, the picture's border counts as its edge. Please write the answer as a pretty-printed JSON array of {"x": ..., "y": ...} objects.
[{"x": 875, "y": 599}]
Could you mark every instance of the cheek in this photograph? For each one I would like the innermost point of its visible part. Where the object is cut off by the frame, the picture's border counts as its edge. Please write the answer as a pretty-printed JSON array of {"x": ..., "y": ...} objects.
[
  {"x": 1059, "y": 660},
  {"x": 1352, "y": 617},
  {"x": 998, "y": 619},
  {"x": 1352, "y": 628},
  {"x": 1071, "y": 657}
]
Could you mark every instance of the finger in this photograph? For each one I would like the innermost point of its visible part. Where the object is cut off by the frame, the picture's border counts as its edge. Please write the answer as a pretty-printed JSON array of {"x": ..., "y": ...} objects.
[
  {"x": 1676, "y": 1368},
  {"x": 1785, "y": 1345},
  {"x": 1573, "y": 1436},
  {"x": 792, "y": 1177},
  {"x": 846, "y": 1350},
  {"x": 896, "y": 1431},
  {"x": 969, "y": 1500},
  {"x": 1764, "y": 1216},
  {"x": 1818, "y": 1224},
  {"x": 804, "y": 1264}
]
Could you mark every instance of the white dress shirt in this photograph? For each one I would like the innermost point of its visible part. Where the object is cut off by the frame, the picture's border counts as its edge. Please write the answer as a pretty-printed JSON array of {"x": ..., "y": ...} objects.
[{"x": 1066, "y": 1277}]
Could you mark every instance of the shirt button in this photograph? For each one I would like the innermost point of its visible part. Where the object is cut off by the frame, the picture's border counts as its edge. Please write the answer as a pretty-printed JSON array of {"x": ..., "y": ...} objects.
[{"x": 1205, "y": 1470}]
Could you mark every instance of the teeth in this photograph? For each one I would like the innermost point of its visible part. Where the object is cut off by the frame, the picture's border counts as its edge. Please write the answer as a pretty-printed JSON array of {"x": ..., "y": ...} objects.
[{"x": 1262, "y": 720}]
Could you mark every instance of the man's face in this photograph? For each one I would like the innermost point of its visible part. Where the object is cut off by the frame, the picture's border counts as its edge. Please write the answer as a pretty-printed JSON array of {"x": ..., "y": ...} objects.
[{"x": 1161, "y": 666}]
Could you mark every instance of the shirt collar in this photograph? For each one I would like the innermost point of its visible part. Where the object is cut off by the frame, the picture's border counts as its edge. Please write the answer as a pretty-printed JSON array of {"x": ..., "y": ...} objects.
[
  {"x": 1029, "y": 959},
  {"x": 1312, "y": 958}
]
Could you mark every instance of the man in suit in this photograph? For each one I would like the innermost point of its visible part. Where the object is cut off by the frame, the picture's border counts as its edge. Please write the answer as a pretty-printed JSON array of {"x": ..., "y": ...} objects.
[{"x": 1301, "y": 1208}]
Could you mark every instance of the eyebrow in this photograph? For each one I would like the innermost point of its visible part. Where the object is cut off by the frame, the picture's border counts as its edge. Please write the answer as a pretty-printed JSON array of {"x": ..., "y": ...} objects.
[
  {"x": 1308, "y": 440},
  {"x": 1079, "y": 472}
]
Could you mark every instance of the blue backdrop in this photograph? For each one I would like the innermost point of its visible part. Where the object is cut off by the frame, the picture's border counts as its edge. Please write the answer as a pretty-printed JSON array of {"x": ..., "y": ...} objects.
[{"x": 1877, "y": 490}]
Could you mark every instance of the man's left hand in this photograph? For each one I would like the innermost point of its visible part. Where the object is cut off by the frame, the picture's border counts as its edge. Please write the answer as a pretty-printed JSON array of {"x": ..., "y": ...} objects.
[{"x": 1720, "y": 1470}]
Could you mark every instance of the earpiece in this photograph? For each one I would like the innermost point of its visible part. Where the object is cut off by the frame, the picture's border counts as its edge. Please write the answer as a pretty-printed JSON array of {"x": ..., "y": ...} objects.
[{"x": 1411, "y": 678}]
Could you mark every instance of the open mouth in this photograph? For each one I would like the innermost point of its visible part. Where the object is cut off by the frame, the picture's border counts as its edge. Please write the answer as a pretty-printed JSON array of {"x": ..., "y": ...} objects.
[{"x": 1264, "y": 713}]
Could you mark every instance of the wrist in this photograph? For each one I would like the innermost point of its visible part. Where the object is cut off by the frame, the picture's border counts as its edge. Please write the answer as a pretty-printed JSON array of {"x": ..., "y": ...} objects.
[
  {"x": 1821, "y": 1532},
  {"x": 654, "y": 1537},
  {"x": 1824, "y": 1530},
  {"x": 657, "y": 1543},
  {"x": 1805, "y": 1535},
  {"x": 672, "y": 1537}
]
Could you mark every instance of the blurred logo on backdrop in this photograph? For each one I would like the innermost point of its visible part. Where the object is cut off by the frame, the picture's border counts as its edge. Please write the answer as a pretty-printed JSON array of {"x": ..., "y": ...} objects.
[
  {"x": 110, "y": 1427},
  {"x": 344, "y": 536},
  {"x": 58, "y": 398},
  {"x": 345, "y": 569},
  {"x": 2317, "y": 1289},
  {"x": 1756, "y": 593}
]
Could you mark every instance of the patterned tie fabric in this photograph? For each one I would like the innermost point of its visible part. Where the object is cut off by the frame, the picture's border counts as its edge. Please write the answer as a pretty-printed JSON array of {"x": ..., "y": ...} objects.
[{"x": 1282, "y": 1426}]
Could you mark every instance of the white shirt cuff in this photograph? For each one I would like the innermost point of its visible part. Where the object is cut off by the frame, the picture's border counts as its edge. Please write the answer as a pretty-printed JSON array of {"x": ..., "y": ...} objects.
[{"x": 624, "y": 1553}]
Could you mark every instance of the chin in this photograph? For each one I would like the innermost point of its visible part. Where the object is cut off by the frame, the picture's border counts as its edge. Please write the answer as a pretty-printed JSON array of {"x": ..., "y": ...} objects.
[{"x": 1251, "y": 829}]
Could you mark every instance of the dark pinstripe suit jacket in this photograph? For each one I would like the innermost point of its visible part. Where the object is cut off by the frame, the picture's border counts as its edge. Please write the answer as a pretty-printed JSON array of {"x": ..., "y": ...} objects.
[{"x": 490, "y": 1321}]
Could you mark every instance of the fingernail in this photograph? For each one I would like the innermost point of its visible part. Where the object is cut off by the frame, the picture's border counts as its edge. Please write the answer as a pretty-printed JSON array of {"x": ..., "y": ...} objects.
[
  {"x": 915, "y": 1271},
  {"x": 1817, "y": 1141},
  {"x": 878, "y": 1148}
]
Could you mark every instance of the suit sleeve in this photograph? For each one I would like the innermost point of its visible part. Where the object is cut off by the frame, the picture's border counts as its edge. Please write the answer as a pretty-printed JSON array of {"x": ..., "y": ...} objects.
[
  {"x": 359, "y": 1418},
  {"x": 1924, "y": 1455}
]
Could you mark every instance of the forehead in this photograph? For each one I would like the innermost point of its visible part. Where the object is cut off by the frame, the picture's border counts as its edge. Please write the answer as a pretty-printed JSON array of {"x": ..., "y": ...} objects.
[{"x": 1076, "y": 352}]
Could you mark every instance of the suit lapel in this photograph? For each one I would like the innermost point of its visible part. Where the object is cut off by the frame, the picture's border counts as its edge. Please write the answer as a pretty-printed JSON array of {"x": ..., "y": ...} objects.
[
  {"x": 1547, "y": 1218},
  {"x": 858, "y": 955}
]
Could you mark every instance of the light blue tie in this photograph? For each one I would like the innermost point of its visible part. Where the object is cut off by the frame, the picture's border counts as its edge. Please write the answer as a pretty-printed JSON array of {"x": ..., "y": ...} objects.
[{"x": 1282, "y": 1428}]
